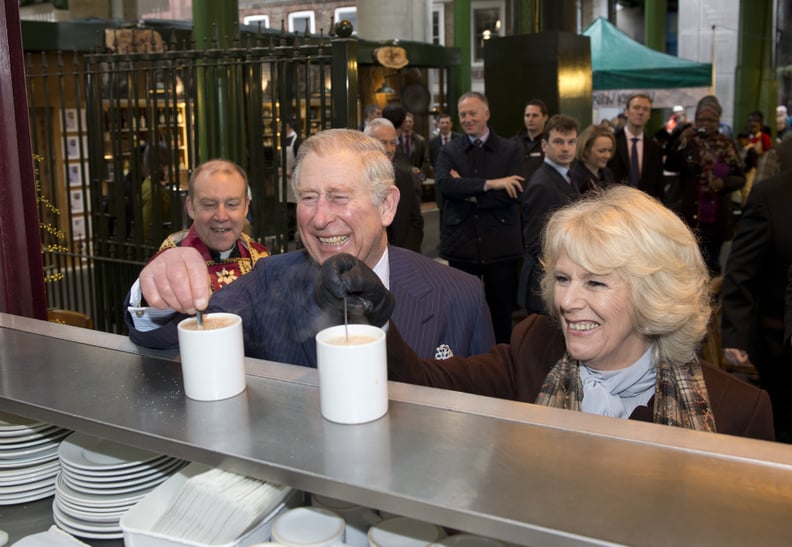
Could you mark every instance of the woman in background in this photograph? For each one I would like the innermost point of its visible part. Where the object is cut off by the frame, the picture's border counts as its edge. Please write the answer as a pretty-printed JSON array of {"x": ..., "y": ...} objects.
[
  {"x": 589, "y": 171},
  {"x": 710, "y": 169}
]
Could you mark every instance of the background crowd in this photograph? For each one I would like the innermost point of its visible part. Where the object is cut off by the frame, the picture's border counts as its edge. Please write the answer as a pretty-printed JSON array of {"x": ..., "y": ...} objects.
[{"x": 496, "y": 196}]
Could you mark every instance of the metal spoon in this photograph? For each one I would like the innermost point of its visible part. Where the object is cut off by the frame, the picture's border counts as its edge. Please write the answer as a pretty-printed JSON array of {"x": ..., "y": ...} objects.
[
  {"x": 199, "y": 319},
  {"x": 346, "y": 320}
]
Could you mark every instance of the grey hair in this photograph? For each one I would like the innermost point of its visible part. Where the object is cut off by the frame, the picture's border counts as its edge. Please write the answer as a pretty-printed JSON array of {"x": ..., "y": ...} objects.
[
  {"x": 474, "y": 95},
  {"x": 378, "y": 170},
  {"x": 213, "y": 166},
  {"x": 378, "y": 122}
]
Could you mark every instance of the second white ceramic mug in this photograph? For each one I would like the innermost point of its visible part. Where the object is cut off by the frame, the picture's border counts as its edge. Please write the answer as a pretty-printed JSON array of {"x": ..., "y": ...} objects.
[{"x": 353, "y": 374}]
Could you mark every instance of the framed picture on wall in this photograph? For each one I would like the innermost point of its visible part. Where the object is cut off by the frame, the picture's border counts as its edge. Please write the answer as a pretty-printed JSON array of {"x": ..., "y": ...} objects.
[
  {"x": 70, "y": 115},
  {"x": 78, "y": 227},
  {"x": 73, "y": 148},
  {"x": 76, "y": 201},
  {"x": 76, "y": 145},
  {"x": 74, "y": 174}
]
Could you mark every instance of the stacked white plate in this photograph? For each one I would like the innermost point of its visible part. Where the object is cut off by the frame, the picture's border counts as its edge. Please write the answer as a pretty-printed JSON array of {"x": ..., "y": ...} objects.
[
  {"x": 100, "y": 480},
  {"x": 28, "y": 459}
]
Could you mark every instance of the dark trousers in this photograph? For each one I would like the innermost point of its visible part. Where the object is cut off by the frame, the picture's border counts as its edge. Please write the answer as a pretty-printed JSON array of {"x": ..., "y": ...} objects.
[
  {"x": 773, "y": 361},
  {"x": 500, "y": 284},
  {"x": 710, "y": 242}
]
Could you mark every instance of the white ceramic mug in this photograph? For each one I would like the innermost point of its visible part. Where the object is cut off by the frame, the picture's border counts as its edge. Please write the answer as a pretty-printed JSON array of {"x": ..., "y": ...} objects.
[
  {"x": 353, "y": 373},
  {"x": 308, "y": 527},
  {"x": 404, "y": 532},
  {"x": 212, "y": 357},
  {"x": 358, "y": 518}
]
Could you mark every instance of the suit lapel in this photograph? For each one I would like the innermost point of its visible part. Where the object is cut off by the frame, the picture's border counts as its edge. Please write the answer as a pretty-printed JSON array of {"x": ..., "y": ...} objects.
[
  {"x": 624, "y": 155},
  {"x": 305, "y": 311},
  {"x": 650, "y": 155},
  {"x": 410, "y": 292},
  {"x": 563, "y": 185}
]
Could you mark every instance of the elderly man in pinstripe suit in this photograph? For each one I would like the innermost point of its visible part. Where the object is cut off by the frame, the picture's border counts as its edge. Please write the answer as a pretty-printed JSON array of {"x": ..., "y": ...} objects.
[{"x": 346, "y": 199}]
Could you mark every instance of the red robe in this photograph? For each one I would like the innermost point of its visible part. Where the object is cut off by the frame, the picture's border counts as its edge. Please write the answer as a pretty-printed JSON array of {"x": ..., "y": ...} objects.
[{"x": 221, "y": 271}]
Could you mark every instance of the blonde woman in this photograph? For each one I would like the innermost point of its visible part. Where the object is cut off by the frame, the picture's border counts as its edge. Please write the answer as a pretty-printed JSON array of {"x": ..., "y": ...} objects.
[{"x": 627, "y": 291}]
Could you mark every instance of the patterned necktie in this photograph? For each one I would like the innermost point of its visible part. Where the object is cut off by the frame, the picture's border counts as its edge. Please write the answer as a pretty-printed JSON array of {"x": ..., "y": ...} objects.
[
  {"x": 635, "y": 172},
  {"x": 478, "y": 143}
]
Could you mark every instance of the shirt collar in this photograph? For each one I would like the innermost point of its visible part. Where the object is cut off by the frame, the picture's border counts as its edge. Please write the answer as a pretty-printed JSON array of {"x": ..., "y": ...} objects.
[
  {"x": 233, "y": 252},
  {"x": 629, "y": 134},
  {"x": 382, "y": 268},
  {"x": 558, "y": 167},
  {"x": 483, "y": 138}
]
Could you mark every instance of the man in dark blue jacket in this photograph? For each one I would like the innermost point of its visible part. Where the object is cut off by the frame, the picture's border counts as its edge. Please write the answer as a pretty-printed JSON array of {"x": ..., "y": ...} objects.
[
  {"x": 548, "y": 189},
  {"x": 346, "y": 198},
  {"x": 478, "y": 179}
]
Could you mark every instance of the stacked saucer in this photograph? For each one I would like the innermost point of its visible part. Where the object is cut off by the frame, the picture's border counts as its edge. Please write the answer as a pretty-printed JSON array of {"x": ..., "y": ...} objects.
[
  {"x": 100, "y": 480},
  {"x": 28, "y": 459}
]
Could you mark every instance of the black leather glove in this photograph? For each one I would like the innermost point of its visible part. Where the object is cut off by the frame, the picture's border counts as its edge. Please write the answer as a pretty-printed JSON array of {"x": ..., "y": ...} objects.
[{"x": 344, "y": 276}]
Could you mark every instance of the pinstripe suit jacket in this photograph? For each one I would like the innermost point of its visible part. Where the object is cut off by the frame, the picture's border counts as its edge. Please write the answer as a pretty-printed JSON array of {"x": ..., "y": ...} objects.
[{"x": 435, "y": 305}]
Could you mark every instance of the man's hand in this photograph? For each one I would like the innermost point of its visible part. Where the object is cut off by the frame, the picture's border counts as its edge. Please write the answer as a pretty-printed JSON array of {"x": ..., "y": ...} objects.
[
  {"x": 736, "y": 357},
  {"x": 343, "y": 276},
  {"x": 511, "y": 184},
  {"x": 177, "y": 279}
]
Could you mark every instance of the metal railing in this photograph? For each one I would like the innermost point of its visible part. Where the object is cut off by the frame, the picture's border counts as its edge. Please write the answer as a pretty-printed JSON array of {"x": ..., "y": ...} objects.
[{"x": 97, "y": 118}]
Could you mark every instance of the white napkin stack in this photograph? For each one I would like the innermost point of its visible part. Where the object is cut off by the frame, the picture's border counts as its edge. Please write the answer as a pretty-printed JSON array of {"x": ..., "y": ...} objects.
[{"x": 218, "y": 506}]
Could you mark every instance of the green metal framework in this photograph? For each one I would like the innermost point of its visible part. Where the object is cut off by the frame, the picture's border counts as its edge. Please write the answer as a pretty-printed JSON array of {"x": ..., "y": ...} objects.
[{"x": 93, "y": 114}]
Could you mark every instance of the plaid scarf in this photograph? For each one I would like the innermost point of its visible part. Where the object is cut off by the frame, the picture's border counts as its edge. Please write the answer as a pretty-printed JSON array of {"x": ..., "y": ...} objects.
[{"x": 681, "y": 397}]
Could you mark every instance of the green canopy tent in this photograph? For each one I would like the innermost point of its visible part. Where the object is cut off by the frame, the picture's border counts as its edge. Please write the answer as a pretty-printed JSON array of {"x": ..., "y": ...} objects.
[{"x": 622, "y": 66}]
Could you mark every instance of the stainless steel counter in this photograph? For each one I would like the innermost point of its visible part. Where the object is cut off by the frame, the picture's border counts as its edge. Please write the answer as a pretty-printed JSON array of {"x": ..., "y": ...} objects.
[{"x": 522, "y": 473}]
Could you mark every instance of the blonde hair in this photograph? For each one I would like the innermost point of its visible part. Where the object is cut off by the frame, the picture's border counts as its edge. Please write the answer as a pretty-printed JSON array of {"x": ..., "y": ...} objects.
[
  {"x": 586, "y": 140},
  {"x": 378, "y": 170},
  {"x": 625, "y": 231}
]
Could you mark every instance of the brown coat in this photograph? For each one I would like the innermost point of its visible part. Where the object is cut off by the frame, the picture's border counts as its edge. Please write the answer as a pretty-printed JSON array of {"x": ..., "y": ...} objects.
[{"x": 516, "y": 371}]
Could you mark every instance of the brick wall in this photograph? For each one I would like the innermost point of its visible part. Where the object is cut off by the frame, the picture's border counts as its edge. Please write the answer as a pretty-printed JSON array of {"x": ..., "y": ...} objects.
[{"x": 278, "y": 11}]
